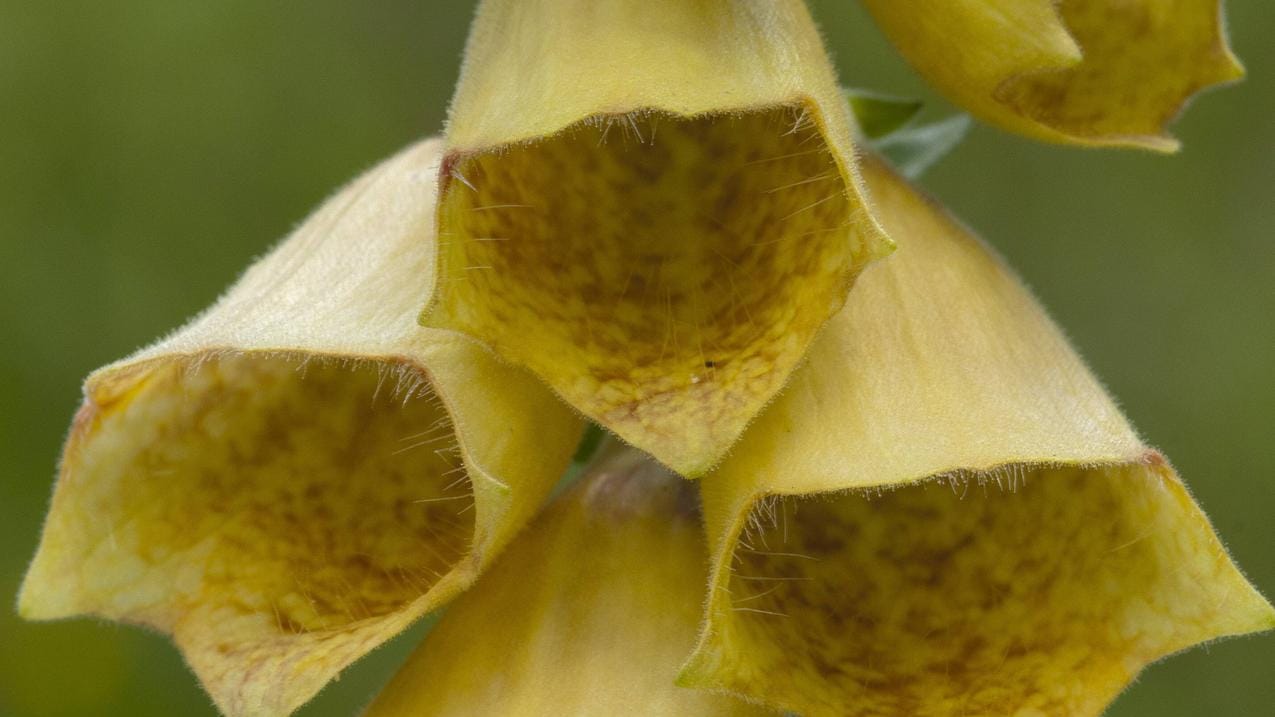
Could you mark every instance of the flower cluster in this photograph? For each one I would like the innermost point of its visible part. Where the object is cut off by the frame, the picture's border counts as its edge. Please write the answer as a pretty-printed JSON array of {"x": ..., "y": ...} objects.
[{"x": 850, "y": 466}]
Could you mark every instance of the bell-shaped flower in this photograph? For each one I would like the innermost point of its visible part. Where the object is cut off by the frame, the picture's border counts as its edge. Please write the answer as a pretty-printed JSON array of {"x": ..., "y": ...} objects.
[
  {"x": 652, "y": 205},
  {"x": 655, "y": 208},
  {"x": 946, "y": 514},
  {"x": 1091, "y": 72},
  {"x": 591, "y": 612},
  {"x": 302, "y": 471}
]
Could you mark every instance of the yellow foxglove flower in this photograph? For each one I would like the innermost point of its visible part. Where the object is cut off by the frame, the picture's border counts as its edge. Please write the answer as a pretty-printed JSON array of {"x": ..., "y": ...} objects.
[
  {"x": 652, "y": 204},
  {"x": 591, "y": 612},
  {"x": 655, "y": 208},
  {"x": 302, "y": 471},
  {"x": 945, "y": 513},
  {"x": 1091, "y": 72}
]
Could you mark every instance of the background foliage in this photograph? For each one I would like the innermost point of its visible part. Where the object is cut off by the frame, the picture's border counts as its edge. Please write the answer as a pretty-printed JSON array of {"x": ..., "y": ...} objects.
[{"x": 150, "y": 149}]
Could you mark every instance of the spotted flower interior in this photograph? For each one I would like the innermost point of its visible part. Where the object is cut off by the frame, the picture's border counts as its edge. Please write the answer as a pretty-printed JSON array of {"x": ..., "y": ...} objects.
[{"x": 623, "y": 380}]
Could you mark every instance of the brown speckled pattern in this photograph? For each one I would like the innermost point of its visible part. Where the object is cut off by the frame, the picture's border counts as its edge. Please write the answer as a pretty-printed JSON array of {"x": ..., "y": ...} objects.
[
  {"x": 1142, "y": 60},
  {"x": 1039, "y": 594},
  {"x": 664, "y": 275},
  {"x": 301, "y": 494}
]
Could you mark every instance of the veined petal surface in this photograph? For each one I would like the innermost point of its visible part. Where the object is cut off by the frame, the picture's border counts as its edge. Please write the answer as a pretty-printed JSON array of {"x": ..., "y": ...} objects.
[
  {"x": 591, "y": 612},
  {"x": 1090, "y": 72},
  {"x": 302, "y": 471},
  {"x": 946, "y": 514},
  {"x": 651, "y": 205}
]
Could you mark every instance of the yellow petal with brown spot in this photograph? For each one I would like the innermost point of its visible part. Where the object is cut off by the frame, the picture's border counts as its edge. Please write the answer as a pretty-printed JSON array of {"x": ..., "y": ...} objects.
[
  {"x": 591, "y": 612},
  {"x": 1125, "y": 71},
  {"x": 652, "y": 205},
  {"x": 946, "y": 514},
  {"x": 302, "y": 471}
]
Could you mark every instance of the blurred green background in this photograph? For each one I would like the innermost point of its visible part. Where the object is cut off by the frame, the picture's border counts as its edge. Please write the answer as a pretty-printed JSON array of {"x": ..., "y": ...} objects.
[{"x": 150, "y": 149}]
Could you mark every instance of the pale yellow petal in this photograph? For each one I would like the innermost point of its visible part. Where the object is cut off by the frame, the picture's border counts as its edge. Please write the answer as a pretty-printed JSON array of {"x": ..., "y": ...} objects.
[
  {"x": 1023, "y": 591},
  {"x": 945, "y": 513},
  {"x": 302, "y": 471},
  {"x": 1131, "y": 68},
  {"x": 591, "y": 612},
  {"x": 652, "y": 205}
]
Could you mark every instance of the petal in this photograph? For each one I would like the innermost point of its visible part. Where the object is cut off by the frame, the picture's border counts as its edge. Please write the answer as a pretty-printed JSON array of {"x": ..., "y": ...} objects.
[
  {"x": 1014, "y": 62},
  {"x": 1024, "y": 591},
  {"x": 1012, "y": 549},
  {"x": 591, "y": 612},
  {"x": 302, "y": 471},
  {"x": 652, "y": 205}
]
